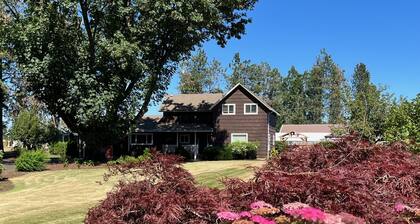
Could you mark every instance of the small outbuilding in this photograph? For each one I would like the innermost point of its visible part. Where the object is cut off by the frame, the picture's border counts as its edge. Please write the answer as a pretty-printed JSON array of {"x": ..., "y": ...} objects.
[{"x": 305, "y": 134}]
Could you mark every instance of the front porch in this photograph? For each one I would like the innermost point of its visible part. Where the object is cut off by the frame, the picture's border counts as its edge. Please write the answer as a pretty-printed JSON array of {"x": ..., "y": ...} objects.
[{"x": 169, "y": 142}]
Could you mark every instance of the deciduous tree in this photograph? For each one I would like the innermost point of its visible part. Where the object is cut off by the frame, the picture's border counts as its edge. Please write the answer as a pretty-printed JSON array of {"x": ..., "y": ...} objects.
[{"x": 99, "y": 64}]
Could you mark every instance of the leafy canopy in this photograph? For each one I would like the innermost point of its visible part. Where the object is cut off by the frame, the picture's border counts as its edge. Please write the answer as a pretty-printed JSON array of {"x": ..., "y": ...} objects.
[{"x": 99, "y": 64}]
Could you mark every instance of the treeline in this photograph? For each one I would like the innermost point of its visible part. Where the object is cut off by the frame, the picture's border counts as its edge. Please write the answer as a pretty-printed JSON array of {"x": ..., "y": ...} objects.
[{"x": 319, "y": 95}]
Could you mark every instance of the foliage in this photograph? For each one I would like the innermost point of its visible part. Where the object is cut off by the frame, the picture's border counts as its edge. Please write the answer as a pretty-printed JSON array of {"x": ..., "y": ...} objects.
[
  {"x": 30, "y": 129},
  {"x": 131, "y": 159},
  {"x": 354, "y": 177},
  {"x": 158, "y": 191},
  {"x": 216, "y": 153},
  {"x": 263, "y": 213},
  {"x": 369, "y": 107},
  {"x": 327, "y": 144},
  {"x": 293, "y": 100},
  {"x": 280, "y": 145},
  {"x": 261, "y": 79},
  {"x": 32, "y": 160},
  {"x": 99, "y": 64},
  {"x": 197, "y": 75},
  {"x": 243, "y": 150},
  {"x": 183, "y": 152},
  {"x": 403, "y": 123},
  {"x": 60, "y": 149}
]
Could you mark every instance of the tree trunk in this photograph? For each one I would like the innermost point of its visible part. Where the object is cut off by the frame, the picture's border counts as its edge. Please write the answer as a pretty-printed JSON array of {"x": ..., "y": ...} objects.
[{"x": 2, "y": 97}]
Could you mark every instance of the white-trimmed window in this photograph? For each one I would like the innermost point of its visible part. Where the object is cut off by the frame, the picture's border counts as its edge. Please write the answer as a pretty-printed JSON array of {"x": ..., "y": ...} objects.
[
  {"x": 250, "y": 108},
  {"x": 239, "y": 137},
  {"x": 228, "y": 109},
  {"x": 184, "y": 138},
  {"x": 142, "y": 139}
]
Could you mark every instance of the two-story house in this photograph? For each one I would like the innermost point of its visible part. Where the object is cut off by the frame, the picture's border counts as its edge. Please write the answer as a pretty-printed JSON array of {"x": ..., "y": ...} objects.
[{"x": 195, "y": 121}]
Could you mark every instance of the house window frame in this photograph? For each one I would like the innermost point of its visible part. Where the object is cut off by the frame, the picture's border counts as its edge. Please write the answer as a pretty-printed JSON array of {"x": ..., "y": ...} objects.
[
  {"x": 145, "y": 134},
  {"x": 232, "y": 134},
  {"x": 228, "y": 105},
  {"x": 184, "y": 135},
  {"x": 251, "y": 104}
]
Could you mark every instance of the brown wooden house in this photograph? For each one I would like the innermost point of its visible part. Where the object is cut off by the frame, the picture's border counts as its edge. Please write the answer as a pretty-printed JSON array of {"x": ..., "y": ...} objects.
[{"x": 195, "y": 121}]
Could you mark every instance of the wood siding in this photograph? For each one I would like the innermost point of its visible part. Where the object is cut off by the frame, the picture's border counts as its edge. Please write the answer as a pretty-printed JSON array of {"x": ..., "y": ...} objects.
[{"x": 257, "y": 126}]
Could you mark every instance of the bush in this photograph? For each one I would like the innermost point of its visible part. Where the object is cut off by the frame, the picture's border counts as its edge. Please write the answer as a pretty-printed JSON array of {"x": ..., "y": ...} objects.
[
  {"x": 131, "y": 159},
  {"x": 32, "y": 160},
  {"x": 280, "y": 145},
  {"x": 243, "y": 150},
  {"x": 158, "y": 191},
  {"x": 216, "y": 153},
  {"x": 59, "y": 149},
  {"x": 327, "y": 144},
  {"x": 354, "y": 177}
]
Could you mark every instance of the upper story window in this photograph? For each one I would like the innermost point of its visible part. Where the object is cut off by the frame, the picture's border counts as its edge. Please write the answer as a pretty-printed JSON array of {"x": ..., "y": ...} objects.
[
  {"x": 250, "y": 108},
  {"x": 228, "y": 109},
  {"x": 142, "y": 139}
]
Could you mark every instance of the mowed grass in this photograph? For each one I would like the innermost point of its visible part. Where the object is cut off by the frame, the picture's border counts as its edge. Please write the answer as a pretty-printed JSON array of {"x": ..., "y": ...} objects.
[{"x": 64, "y": 196}]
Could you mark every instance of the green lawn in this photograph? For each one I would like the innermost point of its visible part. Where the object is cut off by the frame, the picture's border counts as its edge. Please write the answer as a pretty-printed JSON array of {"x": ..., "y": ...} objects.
[{"x": 64, "y": 196}]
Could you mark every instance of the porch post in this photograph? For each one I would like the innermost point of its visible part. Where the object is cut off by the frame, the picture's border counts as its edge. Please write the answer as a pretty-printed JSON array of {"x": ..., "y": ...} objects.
[
  {"x": 195, "y": 146},
  {"x": 177, "y": 137}
]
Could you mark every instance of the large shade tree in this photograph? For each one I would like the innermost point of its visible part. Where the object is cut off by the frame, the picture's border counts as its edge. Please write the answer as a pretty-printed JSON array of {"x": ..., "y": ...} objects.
[{"x": 99, "y": 64}]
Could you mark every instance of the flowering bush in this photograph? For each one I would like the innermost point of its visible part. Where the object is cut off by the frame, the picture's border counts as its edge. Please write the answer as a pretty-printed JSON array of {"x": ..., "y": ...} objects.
[{"x": 264, "y": 213}]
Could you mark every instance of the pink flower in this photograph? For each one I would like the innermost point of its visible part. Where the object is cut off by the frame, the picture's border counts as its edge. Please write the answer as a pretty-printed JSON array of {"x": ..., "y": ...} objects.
[
  {"x": 229, "y": 216},
  {"x": 307, "y": 213},
  {"x": 261, "y": 220},
  {"x": 245, "y": 214},
  {"x": 294, "y": 205},
  {"x": 399, "y": 207},
  {"x": 260, "y": 204},
  {"x": 332, "y": 219}
]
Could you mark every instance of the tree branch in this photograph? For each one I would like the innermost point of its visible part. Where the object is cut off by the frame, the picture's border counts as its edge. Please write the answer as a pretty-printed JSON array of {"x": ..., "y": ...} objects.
[{"x": 84, "y": 7}]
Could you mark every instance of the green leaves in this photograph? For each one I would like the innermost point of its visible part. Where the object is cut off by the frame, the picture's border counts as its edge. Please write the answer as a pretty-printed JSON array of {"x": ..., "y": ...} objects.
[{"x": 99, "y": 64}]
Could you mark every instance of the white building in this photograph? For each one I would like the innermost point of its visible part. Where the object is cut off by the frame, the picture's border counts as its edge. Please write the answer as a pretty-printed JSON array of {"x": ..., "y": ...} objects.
[{"x": 305, "y": 133}]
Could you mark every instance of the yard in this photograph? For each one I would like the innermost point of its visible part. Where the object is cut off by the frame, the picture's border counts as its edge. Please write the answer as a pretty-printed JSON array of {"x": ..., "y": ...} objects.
[{"x": 64, "y": 196}]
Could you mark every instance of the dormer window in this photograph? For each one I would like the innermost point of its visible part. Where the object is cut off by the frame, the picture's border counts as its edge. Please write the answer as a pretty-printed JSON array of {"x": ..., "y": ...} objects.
[
  {"x": 250, "y": 108},
  {"x": 228, "y": 109}
]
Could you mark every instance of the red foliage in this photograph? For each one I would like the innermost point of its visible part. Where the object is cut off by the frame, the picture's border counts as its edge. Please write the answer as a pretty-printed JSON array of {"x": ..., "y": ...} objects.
[
  {"x": 157, "y": 191},
  {"x": 354, "y": 177}
]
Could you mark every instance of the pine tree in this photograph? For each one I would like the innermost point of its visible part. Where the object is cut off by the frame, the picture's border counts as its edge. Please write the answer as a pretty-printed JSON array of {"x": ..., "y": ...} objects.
[
  {"x": 314, "y": 95},
  {"x": 197, "y": 75},
  {"x": 294, "y": 97}
]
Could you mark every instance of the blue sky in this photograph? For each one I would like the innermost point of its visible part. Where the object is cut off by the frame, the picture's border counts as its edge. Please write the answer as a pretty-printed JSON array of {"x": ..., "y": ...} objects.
[{"x": 383, "y": 34}]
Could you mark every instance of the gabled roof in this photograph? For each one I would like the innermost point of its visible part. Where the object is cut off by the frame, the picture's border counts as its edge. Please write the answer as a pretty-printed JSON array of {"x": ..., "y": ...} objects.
[
  {"x": 251, "y": 93},
  {"x": 190, "y": 102},
  {"x": 308, "y": 128}
]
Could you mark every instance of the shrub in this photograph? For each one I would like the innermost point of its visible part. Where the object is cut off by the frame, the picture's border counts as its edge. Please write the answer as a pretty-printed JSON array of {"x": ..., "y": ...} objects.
[
  {"x": 157, "y": 190},
  {"x": 243, "y": 150},
  {"x": 59, "y": 149},
  {"x": 131, "y": 159},
  {"x": 327, "y": 144},
  {"x": 280, "y": 145},
  {"x": 354, "y": 177},
  {"x": 32, "y": 160},
  {"x": 216, "y": 153},
  {"x": 187, "y": 155}
]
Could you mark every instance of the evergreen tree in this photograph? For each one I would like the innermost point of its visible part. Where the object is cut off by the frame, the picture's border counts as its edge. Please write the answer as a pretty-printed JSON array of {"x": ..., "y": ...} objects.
[
  {"x": 197, "y": 75},
  {"x": 294, "y": 97},
  {"x": 314, "y": 95},
  {"x": 370, "y": 105}
]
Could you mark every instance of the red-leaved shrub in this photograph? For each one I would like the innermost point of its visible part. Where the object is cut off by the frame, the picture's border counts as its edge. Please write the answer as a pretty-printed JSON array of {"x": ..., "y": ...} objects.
[
  {"x": 158, "y": 191},
  {"x": 354, "y": 176},
  {"x": 350, "y": 177}
]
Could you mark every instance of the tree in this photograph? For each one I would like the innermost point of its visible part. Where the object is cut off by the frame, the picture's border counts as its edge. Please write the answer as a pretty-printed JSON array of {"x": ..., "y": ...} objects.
[
  {"x": 197, "y": 75},
  {"x": 369, "y": 106},
  {"x": 30, "y": 129},
  {"x": 261, "y": 79},
  {"x": 314, "y": 95},
  {"x": 98, "y": 65},
  {"x": 403, "y": 123},
  {"x": 294, "y": 97}
]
